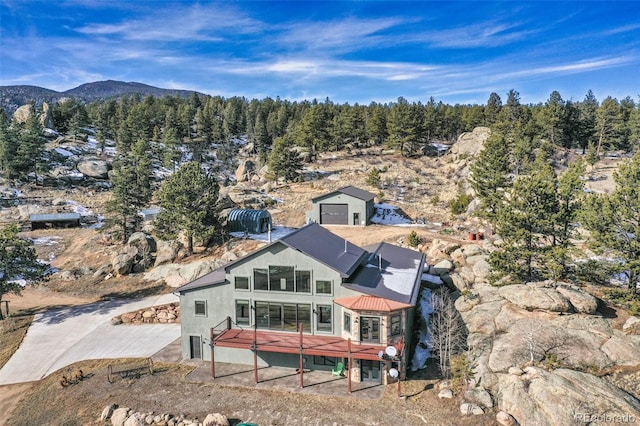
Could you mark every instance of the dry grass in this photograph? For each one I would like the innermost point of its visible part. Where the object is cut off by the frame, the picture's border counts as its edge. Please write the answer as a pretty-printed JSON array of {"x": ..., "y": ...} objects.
[
  {"x": 168, "y": 391},
  {"x": 12, "y": 332}
]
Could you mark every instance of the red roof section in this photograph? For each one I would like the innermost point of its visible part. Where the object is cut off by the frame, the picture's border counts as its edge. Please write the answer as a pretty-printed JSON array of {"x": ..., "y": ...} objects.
[{"x": 370, "y": 303}]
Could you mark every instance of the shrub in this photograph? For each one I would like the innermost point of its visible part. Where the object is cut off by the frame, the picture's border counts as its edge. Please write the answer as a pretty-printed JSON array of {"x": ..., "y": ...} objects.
[
  {"x": 435, "y": 200},
  {"x": 461, "y": 371},
  {"x": 373, "y": 177},
  {"x": 624, "y": 298},
  {"x": 414, "y": 239},
  {"x": 459, "y": 204}
]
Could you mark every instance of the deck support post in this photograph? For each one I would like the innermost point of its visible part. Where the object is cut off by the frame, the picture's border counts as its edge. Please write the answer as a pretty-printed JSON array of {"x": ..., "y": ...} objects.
[
  {"x": 301, "y": 358},
  {"x": 213, "y": 359},
  {"x": 255, "y": 354},
  {"x": 349, "y": 366}
]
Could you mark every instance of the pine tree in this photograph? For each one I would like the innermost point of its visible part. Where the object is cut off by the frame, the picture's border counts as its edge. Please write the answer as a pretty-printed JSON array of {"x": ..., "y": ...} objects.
[
  {"x": 123, "y": 205},
  {"x": 588, "y": 110},
  {"x": 284, "y": 161},
  {"x": 491, "y": 176},
  {"x": 8, "y": 148},
  {"x": 17, "y": 260},
  {"x": 403, "y": 125},
  {"x": 608, "y": 125},
  {"x": 570, "y": 194},
  {"x": 189, "y": 203},
  {"x": 613, "y": 221},
  {"x": 526, "y": 224}
]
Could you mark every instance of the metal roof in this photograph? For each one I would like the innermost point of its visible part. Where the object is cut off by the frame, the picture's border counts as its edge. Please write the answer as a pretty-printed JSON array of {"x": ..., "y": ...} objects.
[
  {"x": 217, "y": 276},
  {"x": 371, "y": 303},
  {"x": 390, "y": 272},
  {"x": 326, "y": 247},
  {"x": 247, "y": 215},
  {"x": 54, "y": 217},
  {"x": 352, "y": 191}
]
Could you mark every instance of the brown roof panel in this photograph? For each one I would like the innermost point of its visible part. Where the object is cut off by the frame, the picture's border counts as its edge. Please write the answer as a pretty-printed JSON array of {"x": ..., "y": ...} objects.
[{"x": 371, "y": 303}]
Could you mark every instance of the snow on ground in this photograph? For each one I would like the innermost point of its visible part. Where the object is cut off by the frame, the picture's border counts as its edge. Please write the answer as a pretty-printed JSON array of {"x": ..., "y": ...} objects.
[
  {"x": 433, "y": 279},
  {"x": 46, "y": 241},
  {"x": 423, "y": 348},
  {"x": 84, "y": 211},
  {"x": 386, "y": 214},
  {"x": 64, "y": 152},
  {"x": 276, "y": 233}
]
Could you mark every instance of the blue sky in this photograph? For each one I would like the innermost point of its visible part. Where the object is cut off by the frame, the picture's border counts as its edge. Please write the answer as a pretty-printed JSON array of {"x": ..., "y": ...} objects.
[{"x": 350, "y": 51}]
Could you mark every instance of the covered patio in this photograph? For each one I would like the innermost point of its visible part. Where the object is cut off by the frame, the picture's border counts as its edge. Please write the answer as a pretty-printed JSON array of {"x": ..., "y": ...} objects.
[{"x": 301, "y": 344}]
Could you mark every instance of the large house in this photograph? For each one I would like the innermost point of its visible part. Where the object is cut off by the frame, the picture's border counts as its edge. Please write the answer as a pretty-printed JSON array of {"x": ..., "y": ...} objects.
[
  {"x": 344, "y": 206},
  {"x": 310, "y": 300}
]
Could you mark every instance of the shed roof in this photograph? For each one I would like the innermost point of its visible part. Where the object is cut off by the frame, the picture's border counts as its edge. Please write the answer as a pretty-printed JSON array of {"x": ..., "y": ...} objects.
[
  {"x": 54, "y": 217},
  {"x": 351, "y": 191},
  {"x": 247, "y": 214},
  {"x": 326, "y": 247}
]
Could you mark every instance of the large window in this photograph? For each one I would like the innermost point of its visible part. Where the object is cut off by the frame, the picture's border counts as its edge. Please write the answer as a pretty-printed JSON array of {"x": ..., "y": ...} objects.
[
  {"x": 324, "y": 318},
  {"x": 242, "y": 283},
  {"x": 261, "y": 279},
  {"x": 200, "y": 308},
  {"x": 242, "y": 312},
  {"x": 281, "y": 278},
  {"x": 303, "y": 281},
  {"x": 323, "y": 287},
  {"x": 346, "y": 322},
  {"x": 283, "y": 316},
  {"x": 396, "y": 324},
  {"x": 278, "y": 278}
]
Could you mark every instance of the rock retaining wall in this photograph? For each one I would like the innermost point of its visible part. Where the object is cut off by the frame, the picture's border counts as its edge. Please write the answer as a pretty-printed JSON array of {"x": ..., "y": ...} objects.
[{"x": 164, "y": 314}]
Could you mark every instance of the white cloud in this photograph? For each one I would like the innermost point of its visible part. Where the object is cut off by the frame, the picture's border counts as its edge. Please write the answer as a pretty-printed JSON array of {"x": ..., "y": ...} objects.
[{"x": 211, "y": 22}]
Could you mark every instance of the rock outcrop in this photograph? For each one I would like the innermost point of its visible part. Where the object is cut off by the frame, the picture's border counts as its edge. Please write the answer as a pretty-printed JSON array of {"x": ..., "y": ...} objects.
[
  {"x": 471, "y": 143},
  {"x": 532, "y": 345},
  {"x": 94, "y": 168},
  {"x": 136, "y": 255}
]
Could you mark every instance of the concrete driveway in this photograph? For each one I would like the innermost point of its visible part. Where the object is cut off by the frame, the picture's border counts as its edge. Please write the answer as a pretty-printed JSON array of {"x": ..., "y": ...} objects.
[{"x": 61, "y": 337}]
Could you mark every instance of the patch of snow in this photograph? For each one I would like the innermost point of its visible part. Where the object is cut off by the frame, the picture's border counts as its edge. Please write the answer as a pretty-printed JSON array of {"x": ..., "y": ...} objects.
[
  {"x": 50, "y": 132},
  {"x": 110, "y": 151},
  {"x": 63, "y": 152},
  {"x": 434, "y": 279},
  {"x": 423, "y": 347},
  {"x": 396, "y": 279},
  {"x": 46, "y": 241},
  {"x": 387, "y": 214},
  {"x": 277, "y": 232}
]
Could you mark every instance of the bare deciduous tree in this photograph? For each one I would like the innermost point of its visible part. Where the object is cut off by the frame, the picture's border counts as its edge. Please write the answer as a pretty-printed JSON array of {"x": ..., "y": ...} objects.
[{"x": 448, "y": 333}]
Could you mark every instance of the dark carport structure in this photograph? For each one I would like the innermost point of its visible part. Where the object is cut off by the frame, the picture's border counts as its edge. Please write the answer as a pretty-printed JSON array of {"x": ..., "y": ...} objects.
[
  {"x": 248, "y": 220},
  {"x": 54, "y": 220}
]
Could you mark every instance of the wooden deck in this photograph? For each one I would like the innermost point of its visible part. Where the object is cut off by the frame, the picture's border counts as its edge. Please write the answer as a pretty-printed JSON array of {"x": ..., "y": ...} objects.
[{"x": 299, "y": 343}]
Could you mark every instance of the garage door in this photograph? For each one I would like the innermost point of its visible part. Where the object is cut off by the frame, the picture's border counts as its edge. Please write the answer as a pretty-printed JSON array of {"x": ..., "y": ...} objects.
[{"x": 334, "y": 214}]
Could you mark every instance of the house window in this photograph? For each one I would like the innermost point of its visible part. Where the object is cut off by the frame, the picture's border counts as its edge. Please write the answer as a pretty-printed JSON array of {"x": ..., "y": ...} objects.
[
  {"x": 346, "y": 322},
  {"x": 323, "y": 287},
  {"x": 283, "y": 316},
  {"x": 261, "y": 279},
  {"x": 281, "y": 278},
  {"x": 201, "y": 308},
  {"x": 242, "y": 312},
  {"x": 324, "y": 318},
  {"x": 324, "y": 360},
  {"x": 242, "y": 283},
  {"x": 303, "y": 281},
  {"x": 396, "y": 325}
]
